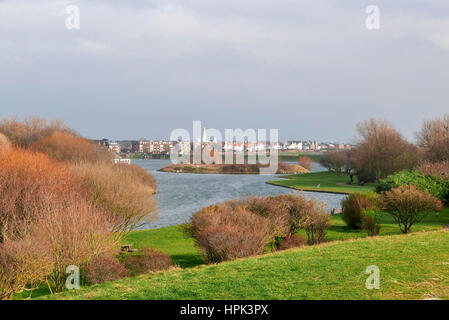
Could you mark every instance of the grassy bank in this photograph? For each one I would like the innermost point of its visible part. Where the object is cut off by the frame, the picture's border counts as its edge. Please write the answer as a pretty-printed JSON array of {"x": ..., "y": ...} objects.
[
  {"x": 293, "y": 156},
  {"x": 414, "y": 266},
  {"x": 322, "y": 182},
  {"x": 181, "y": 248}
]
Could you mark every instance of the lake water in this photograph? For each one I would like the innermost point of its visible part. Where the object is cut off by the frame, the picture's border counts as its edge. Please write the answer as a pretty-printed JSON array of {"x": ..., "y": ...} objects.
[{"x": 182, "y": 194}]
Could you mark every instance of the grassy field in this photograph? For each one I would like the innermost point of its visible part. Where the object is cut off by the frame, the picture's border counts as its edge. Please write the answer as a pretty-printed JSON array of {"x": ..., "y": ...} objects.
[
  {"x": 293, "y": 156},
  {"x": 414, "y": 266},
  {"x": 321, "y": 182}
]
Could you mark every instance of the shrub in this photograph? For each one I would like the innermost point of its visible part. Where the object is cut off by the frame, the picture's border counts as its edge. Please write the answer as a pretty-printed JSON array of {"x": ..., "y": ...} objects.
[
  {"x": 4, "y": 142},
  {"x": 305, "y": 162},
  {"x": 105, "y": 268},
  {"x": 24, "y": 133},
  {"x": 225, "y": 234},
  {"x": 138, "y": 173},
  {"x": 438, "y": 187},
  {"x": 352, "y": 209},
  {"x": 439, "y": 169},
  {"x": 116, "y": 189},
  {"x": 408, "y": 205},
  {"x": 292, "y": 241},
  {"x": 278, "y": 216},
  {"x": 148, "y": 260},
  {"x": 73, "y": 234},
  {"x": 370, "y": 222},
  {"x": 27, "y": 181},
  {"x": 65, "y": 146},
  {"x": 315, "y": 221},
  {"x": 23, "y": 264}
]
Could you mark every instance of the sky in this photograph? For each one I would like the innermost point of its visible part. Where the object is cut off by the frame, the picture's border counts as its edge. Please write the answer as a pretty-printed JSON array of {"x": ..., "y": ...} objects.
[{"x": 142, "y": 68}]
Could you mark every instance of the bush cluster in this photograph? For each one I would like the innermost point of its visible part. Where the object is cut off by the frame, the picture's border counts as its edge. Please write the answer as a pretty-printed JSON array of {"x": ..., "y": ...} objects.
[
  {"x": 243, "y": 228},
  {"x": 63, "y": 202},
  {"x": 436, "y": 185}
]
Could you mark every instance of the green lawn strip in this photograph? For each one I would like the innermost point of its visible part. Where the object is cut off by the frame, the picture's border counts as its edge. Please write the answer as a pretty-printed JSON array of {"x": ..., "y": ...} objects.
[
  {"x": 414, "y": 266},
  {"x": 322, "y": 182},
  {"x": 171, "y": 240}
]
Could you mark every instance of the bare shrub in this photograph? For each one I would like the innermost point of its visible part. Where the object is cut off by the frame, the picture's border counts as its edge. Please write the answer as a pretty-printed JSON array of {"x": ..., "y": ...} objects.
[
  {"x": 434, "y": 138},
  {"x": 116, "y": 190},
  {"x": 305, "y": 162},
  {"x": 315, "y": 221},
  {"x": 27, "y": 180},
  {"x": 4, "y": 142},
  {"x": 438, "y": 169},
  {"x": 66, "y": 146},
  {"x": 148, "y": 260},
  {"x": 225, "y": 234},
  {"x": 24, "y": 133},
  {"x": 381, "y": 151},
  {"x": 139, "y": 174},
  {"x": 24, "y": 264},
  {"x": 337, "y": 161},
  {"x": 105, "y": 268},
  {"x": 73, "y": 234},
  {"x": 292, "y": 241},
  {"x": 407, "y": 205}
]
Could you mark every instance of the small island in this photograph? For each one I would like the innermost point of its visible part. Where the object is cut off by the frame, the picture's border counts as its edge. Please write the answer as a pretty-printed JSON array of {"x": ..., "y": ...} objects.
[{"x": 283, "y": 168}]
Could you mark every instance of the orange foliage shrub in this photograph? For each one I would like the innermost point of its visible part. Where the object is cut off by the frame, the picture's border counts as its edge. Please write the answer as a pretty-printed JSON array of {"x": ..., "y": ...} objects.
[
  {"x": 74, "y": 234},
  {"x": 65, "y": 146},
  {"x": 306, "y": 162},
  {"x": 139, "y": 174},
  {"x": 116, "y": 190},
  {"x": 23, "y": 133},
  {"x": 27, "y": 181},
  {"x": 4, "y": 142}
]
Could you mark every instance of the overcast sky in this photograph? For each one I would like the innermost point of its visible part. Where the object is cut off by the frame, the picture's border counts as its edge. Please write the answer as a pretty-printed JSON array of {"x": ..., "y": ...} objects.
[{"x": 140, "y": 68}]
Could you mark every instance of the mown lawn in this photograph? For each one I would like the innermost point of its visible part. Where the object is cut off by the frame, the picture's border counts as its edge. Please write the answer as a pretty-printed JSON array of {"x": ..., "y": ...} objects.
[
  {"x": 322, "y": 182},
  {"x": 414, "y": 266},
  {"x": 172, "y": 240}
]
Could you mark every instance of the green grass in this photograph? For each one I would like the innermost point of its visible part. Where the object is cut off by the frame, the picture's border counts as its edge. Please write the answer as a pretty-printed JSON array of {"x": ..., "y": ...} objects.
[
  {"x": 322, "y": 182},
  {"x": 181, "y": 248},
  {"x": 414, "y": 266},
  {"x": 170, "y": 240}
]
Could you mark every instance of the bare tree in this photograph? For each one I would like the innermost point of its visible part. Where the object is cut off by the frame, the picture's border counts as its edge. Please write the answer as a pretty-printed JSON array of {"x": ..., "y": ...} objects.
[
  {"x": 381, "y": 151},
  {"x": 434, "y": 139}
]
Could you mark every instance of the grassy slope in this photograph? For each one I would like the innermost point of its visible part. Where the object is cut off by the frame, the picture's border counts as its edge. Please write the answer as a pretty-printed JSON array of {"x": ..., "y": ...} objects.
[
  {"x": 327, "y": 181},
  {"x": 414, "y": 266}
]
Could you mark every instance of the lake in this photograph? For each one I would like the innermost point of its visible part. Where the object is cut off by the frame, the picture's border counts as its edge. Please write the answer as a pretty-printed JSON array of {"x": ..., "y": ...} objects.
[{"x": 181, "y": 194}]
